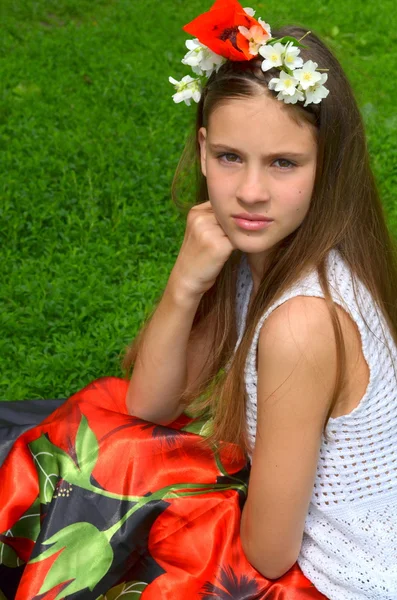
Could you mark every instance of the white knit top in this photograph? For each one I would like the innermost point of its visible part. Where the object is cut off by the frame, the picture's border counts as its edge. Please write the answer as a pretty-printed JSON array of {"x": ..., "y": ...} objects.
[{"x": 349, "y": 548}]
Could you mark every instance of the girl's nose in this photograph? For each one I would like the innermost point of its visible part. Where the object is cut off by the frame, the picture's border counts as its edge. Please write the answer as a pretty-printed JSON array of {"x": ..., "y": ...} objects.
[{"x": 253, "y": 187}]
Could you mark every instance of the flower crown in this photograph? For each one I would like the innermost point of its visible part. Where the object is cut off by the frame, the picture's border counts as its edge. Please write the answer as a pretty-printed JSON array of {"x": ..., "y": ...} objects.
[{"x": 229, "y": 31}]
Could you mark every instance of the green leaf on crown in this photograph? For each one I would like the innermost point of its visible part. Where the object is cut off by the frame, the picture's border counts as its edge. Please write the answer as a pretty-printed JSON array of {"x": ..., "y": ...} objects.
[{"x": 285, "y": 40}]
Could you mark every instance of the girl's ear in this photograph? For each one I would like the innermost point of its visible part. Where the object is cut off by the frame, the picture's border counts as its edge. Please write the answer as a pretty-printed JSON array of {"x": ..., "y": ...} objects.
[{"x": 202, "y": 140}]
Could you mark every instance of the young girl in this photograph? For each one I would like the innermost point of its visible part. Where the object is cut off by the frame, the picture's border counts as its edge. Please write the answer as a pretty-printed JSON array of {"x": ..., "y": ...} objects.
[
  {"x": 286, "y": 187},
  {"x": 280, "y": 317}
]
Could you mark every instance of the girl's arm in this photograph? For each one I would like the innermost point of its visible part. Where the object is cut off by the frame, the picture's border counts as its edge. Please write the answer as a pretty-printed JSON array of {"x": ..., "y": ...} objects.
[
  {"x": 168, "y": 359},
  {"x": 296, "y": 376}
]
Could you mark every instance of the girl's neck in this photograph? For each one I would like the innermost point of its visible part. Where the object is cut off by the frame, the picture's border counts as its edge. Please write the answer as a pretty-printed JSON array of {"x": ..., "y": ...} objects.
[{"x": 256, "y": 264}]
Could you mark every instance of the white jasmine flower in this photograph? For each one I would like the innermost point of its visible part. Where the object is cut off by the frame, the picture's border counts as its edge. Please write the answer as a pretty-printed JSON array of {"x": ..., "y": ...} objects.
[
  {"x": 291, "y": 58},
  {"x": 249, "y": 11},
  {"x": 265, "y": 26},
  {"x": 317, "y": 92},
  {"x": 285, "y": 84},
  {"x": 272, "y": 55},
  {"x": 256, "y": 36},
  {"x": 186, "y": 89},
  {"x": 288, "y": 99},
  {"x": 202, "y": 60},
  {"x": 307, "y": 75}
]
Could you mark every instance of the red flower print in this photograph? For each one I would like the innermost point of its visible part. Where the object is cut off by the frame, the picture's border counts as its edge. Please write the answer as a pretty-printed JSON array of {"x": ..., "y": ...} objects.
[
  {"x": 218, "y": 29},
  {"x": 148, "y": 456},
  {"x": 151, "y": 457},
  {"x": 230, "y": 585},
  {"x": 196, "y": 541},
  {"x": 33, "y": 577},
  {"x": 193, "y": 539}
]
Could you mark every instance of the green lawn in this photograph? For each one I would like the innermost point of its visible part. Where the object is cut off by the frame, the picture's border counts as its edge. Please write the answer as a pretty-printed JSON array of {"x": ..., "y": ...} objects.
[{"x": 89, "y": 140}]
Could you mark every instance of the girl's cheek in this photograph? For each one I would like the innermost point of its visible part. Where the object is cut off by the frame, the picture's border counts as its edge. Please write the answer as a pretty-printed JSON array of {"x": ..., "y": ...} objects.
[{"x": 294, "y": 200}]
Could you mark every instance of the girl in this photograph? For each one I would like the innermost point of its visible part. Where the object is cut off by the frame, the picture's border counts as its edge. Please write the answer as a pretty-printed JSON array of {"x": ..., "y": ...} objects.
[
  {"x": 279, "y": 321},
  {"x": 286, "y": 192}
]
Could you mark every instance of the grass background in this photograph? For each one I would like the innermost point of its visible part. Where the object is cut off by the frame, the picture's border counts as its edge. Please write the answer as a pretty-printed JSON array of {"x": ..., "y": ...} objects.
[{"x": 89, "y": 140}]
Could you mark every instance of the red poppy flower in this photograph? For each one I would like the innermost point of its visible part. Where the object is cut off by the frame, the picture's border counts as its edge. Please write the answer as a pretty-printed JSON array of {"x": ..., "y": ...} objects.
[
  {"x": 192, "y": 539},
  {"x": 197, "y": 542},
  {"x": 148, "y": 456},
  {"x": 22, "y": 546},
  {"x": 33, "y": 577},
  {"x": 218, "y": 29}
]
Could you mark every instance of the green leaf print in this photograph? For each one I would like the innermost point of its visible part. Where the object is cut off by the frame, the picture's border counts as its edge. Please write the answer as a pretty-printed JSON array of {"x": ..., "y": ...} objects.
[
  {"x": 28, "y": 526},
  {"x": 202, "y": 427},
  {"x": 51, "y": 463},
  {"x": 87, "y": 449},
  {"x": 8, "y": 557},
  {"x": 130, "y": 590},
  {"x": 80, "y": 544}
]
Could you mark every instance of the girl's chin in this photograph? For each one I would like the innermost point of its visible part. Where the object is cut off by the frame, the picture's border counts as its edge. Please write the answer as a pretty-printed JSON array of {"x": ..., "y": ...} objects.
[
  {"x": 253, "y": 240},
  {"x": 254, "y": 249}
]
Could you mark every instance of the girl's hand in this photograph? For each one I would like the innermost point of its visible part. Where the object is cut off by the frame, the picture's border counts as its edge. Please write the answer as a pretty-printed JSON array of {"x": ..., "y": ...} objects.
[{"x": 204, "y": 251}]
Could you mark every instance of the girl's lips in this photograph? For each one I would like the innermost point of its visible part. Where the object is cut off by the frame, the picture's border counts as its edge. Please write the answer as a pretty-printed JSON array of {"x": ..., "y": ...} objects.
[
  {"x": 252, "y": 217},
  {"x": 251, "y": 225}
]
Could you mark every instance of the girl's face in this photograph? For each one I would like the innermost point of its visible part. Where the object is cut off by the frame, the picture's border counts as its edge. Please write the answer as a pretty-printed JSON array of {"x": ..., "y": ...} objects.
[{"x": 257, "y": 159}]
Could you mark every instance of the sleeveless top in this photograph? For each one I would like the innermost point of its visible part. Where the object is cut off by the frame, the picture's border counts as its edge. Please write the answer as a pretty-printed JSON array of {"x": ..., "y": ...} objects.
[{"x": 349, "y": 546}]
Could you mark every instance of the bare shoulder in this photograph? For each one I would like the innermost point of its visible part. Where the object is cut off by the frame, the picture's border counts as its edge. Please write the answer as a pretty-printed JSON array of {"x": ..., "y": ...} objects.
[
  {"x": 305, "y": 323},
  {"x": 300, "y": 325},
  {"x": 297, "y": 365},
  {"x": 300, "y": 332}
]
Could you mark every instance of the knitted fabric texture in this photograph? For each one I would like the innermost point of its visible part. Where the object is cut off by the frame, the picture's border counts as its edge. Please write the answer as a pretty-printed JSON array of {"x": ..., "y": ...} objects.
[{"x": 349, "y": 548}]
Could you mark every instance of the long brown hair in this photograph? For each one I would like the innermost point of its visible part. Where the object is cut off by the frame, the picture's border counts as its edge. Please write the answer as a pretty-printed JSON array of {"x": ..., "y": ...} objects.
[{"x": 345, "y": 213}]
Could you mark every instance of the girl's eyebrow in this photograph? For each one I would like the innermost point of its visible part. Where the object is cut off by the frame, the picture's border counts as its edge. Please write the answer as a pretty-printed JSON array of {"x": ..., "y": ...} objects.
[{"x": 273, "y": 155}]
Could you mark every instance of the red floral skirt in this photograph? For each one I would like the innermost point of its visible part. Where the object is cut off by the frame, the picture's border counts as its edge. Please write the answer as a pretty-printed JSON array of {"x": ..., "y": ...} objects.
[{"x": 96, "y": 504}]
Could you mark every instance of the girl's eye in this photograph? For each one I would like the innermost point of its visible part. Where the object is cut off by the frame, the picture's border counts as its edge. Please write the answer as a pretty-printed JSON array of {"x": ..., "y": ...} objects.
[
  {"x": 283, "y": 163},
  {"x": 228, "y": 157}
]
